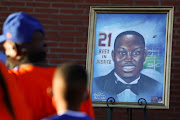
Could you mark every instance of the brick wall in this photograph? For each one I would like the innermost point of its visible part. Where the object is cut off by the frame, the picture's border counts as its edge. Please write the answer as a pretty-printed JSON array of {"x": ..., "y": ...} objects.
[{"x": 66, "y": 25}]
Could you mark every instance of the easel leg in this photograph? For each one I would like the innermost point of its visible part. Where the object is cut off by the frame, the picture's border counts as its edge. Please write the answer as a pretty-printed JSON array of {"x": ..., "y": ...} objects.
[
  {"x": 129, "y": 114},
  {"x": 109, "y": 114},
  {"x": 144, "y": 113}
]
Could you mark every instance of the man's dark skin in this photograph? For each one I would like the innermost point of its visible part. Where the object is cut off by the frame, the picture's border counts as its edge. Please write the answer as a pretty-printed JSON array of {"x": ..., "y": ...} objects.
[{"x": 129, "y": 55}]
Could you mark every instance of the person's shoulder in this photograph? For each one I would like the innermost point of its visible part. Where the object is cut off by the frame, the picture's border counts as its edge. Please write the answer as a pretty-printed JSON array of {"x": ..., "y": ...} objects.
[
  {"x": 32, "y": 69},
  {"x": 54, "y": 117},
  {"x": 69, "y": 117},
  {"x": 88, "y": 118},
  {"x": 46, "y": 69},
  {"x": 75, "y": 115}
]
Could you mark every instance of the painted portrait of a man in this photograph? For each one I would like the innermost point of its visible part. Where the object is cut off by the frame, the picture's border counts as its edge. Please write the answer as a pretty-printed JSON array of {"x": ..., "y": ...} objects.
[
  {"x": 129, "y": 57},
  {"x": 125, "y": 82}
]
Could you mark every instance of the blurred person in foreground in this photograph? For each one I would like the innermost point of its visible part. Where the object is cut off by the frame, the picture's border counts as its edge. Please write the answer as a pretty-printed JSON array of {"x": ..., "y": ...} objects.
[
  {"x": 23, "y": 37},
  {"x": 68, "y": 88},
  {"x": 2, "y": 57},
  {"x": 12, "y": 103}
]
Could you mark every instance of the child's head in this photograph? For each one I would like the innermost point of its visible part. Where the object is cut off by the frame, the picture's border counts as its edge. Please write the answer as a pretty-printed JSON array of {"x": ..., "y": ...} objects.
[{"x": 69, "y": 85}]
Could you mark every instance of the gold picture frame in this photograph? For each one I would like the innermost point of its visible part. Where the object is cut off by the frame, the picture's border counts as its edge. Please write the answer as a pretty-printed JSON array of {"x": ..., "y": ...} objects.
[{"x": 155, "y": 24}]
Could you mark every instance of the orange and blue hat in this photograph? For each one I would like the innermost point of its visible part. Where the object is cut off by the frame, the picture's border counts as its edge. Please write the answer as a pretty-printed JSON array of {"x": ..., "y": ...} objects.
[{"x": 19, "y": 28}]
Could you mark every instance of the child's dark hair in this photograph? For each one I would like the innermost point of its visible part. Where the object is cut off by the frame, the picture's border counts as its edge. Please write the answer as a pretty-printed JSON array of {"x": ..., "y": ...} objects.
[{"x": 75, "y": 77}]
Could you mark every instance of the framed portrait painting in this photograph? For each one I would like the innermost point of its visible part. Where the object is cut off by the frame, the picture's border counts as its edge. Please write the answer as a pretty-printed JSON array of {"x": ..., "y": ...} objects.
[{"x": 129, "y": 55}]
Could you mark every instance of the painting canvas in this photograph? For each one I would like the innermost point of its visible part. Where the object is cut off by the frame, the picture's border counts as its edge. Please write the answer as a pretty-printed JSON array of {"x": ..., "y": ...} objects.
[{"x": 129, "y": 56}]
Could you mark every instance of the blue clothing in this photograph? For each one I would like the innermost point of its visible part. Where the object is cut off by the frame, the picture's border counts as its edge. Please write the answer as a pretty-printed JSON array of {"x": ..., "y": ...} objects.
[
  {"x": 70, "y": 115},
  {"x": 2, "y": 57}
]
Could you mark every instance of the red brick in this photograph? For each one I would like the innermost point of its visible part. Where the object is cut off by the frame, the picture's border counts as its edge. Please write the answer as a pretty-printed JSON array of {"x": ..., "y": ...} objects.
[
  {"x": 72, "y": 11},
  {"x": 120, "y": 2},
  {"x": 75, "y": 45},
  {"x": 66, "y": 16},
  {"x": 177, "y": 109},
  {"x": 87, "y": 12},
  {"x": 178, "y": 9},
  {"x": 84, "y": 6},
  {"x": 52, "y": 33},
  {"x": 177, "y": 87},
  {"x": 17, "y": 9},
  {"x": 178, "y": 31},
  {"x": 39, "y": 15},
  {"x": 82, "y": 62},
  {"x": 86, "y": 23},
  {"x": 6, "y": 13},
  {"x": 55, "y": 61},
  {"x": 81, "y": 39},
  {"x": 64, "y": 28},
  {"x": 81, "y": 28},
  {"x": 61, "y": 50},
  {"x": 96, "y": 1},
  {"x": 12, "y": 3},
  {"x": 170, "y": 3},
  {"x": 3, "y": 8},
  {"x": 147, "y": 2},
  {"x": 46, "y": 0},
  {"x": 66, "y": 39},
  {"x": 37, "y": 4},
  {"x": 82, "y": 17},
  {"x": 70, "y": 1},
  {"x": 174, "y": 114},
  {"x": 52, "y": 44},
  {"x": 177, "y": 42},
  {"x": 25, "y": 0},
  {"x": 175, "y": 81},
  {"x": 176, "y": 65},
  {"x": 46, "y": 10},
  {"x": 71, "y": 22},
  {"x": 55, "y": 16},
  {"x": 80, "y": 51},
  {"x": 45, "y": 21},
  {"x": 177, "y": 76},
  {"x": 177, "y": 104},
  {"x": 175, "y": 48},
  {"x": 61, "y": 38},
  {"x": 63, "y": 5},
  {"x": 175, "y": 70},
  {"x": 176, "y": 37},
  {"x": 2, "y": 20},
  {"x": 177, "y": 53},
  {"x": 71, "y": 56},
  {"x": 177, "y": 13},
  {"x": 52, "y": 55},
  {"x": 72, "y": 33},
  {"x": 65, "y": 56}
]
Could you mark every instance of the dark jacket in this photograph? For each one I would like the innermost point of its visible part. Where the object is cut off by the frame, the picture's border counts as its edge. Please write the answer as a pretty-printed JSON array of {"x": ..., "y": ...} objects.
[{"x": 146, "y": 87}]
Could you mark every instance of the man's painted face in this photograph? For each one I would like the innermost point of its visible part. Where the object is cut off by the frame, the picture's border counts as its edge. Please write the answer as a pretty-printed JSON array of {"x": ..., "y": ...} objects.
[{"x": 128, "y": 56}]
